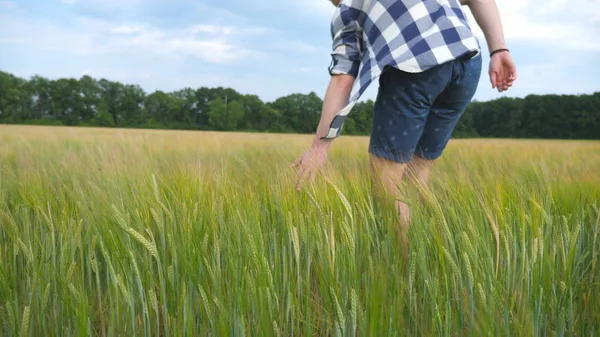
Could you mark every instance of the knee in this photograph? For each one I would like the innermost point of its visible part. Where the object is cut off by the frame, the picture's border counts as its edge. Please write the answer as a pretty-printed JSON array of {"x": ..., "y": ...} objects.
[{"x": 386, "y": 176}]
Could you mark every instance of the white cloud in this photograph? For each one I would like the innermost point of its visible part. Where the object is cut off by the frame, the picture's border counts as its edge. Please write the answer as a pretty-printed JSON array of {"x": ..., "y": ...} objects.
[
  {"x": 560, "y": 23},
  {"x": 311, "y": 6},
  {"x": 126, "y": 29},
  {"x": 314, "y": 12},
  {"x": 7, "y": 4},
  {"x": 103, "y": 4},
  {"x": 210, "y": 43},
  {"x": 9, "y": 40},
  {"x": 213, "y": 30},
  {"x": 294, "y": 50},
  {"x": 131, "y": 76},
  {"x": 557, "y": 23},
  {"x": 306, "y": 69}
]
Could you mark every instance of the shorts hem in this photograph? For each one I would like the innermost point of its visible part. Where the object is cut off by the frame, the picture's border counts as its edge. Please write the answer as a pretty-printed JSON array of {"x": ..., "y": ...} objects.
[
  {"x": 388, "y": 155},
  {"x": 428, "y": 156}
]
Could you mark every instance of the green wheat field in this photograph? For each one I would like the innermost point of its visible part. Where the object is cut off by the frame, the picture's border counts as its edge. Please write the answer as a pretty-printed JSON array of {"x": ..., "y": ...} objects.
[{"x": 107, "y": 232}]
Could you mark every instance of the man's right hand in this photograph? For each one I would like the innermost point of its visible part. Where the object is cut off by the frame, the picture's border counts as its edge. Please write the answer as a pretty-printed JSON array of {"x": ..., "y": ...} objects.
[
  {"x": 503, "y": 71},
  {"x": 309, "y": 164}
]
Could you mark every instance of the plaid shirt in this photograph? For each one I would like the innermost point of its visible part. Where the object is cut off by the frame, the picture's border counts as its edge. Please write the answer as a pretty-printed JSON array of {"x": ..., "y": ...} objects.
[{"x": 411, "y": 35}]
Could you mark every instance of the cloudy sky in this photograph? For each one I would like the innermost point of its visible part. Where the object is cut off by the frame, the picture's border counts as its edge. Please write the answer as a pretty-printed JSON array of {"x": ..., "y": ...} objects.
[{"x": 269, "y": 48}]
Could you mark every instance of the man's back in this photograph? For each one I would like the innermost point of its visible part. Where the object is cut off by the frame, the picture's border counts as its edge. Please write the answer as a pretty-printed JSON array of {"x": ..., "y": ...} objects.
[{"x": 410, "y": 35}]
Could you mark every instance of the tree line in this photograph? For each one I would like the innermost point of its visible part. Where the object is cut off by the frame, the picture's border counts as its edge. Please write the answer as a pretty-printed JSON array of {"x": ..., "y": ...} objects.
[{"x": 90, "y": 102}]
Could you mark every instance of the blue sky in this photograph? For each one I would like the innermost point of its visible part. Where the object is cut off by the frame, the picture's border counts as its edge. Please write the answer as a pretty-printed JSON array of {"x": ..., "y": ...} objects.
[{"x": 269, "y": 48}]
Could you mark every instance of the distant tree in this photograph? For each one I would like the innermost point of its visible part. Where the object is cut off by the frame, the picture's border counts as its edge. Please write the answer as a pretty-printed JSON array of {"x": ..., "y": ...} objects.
[
  {"x": 90, "y": 97},
  {"x": 158, "y": 107},
  {"x": 15, "y": 99},
  {"x": 131, "y": 104},
  {"x": 40, "y": 90},
  {"x": 111, "y": 94},
  {"x": 203, "y": 98},
  {"x": 67, "y": 102},
  {"x": 102, "y": 116},
  {"x": 252, "y": 107},
  {"x": 270, "y": 119},
  {"x": 87, "y": 101},
  {"x": 360, "y": 119},
  {"x": 225, "y": 115},
  {"x": 300, "y": 113},
  {"x": 465, "y": 126},
  {"x": 187, "y": 108}
]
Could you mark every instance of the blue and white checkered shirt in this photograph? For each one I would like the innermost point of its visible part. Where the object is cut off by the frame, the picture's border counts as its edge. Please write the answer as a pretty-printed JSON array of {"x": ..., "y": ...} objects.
[{"x": 411, "y": 35}]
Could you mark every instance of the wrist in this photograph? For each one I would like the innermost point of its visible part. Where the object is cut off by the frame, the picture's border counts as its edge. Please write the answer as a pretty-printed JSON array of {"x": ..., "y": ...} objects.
[
  {"x": 496, "y": 44},
  {"x": 498, "y": 51},
  {"x": 321, "y": 144}
]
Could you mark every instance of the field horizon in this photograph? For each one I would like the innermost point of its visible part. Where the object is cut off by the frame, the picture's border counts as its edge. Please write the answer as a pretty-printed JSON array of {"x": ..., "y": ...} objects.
[{"x": 107, "y": 231}]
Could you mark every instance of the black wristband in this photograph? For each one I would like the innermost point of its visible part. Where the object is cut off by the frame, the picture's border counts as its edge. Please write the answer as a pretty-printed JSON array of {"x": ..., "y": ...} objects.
[{"x": 498, "y": 50}]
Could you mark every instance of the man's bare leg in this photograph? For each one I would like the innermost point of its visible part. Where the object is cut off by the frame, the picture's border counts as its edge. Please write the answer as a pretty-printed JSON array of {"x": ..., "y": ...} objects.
[
  {"x": 418, "y": 172},
  {"x": 386, "y": 179}
]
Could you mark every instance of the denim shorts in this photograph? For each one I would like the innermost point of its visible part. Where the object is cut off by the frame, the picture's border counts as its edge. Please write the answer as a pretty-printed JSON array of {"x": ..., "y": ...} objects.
[{"x": 415, "y": 113}]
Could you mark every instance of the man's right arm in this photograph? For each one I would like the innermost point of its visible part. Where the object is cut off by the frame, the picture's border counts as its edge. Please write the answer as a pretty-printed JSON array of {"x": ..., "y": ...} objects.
[
  {"x": 346, "y": 54},
  {"x": 346, "y": 34}
]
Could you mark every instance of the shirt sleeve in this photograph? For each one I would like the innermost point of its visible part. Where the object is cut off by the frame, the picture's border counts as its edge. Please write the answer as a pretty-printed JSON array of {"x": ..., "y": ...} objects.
[{"x": 346, "y": 33}]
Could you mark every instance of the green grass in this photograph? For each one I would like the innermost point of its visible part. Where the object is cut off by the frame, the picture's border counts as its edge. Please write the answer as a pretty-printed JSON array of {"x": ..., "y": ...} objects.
[{"x": 138, "y": 232}]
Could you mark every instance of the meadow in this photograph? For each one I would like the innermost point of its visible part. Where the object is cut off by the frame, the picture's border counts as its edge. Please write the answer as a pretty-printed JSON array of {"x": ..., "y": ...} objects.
[{"x": 113, "y": 232}]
